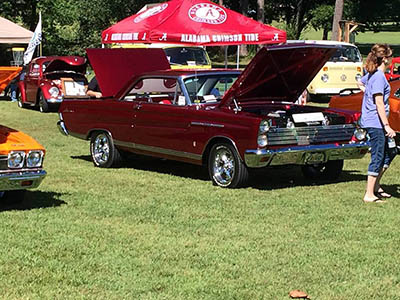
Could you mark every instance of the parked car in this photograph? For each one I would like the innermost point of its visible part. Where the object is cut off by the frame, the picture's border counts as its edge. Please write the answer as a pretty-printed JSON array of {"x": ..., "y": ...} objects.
[
  {"x": 341, "y": 71},
  {"x": 47, "y": 79},
  {"x": 7, "y": 74},
  {"x": 179, "y": 56},
  {"x": 227, "y": 120},
  {"x": 393, "y": 72},
  {"x": 21, "y": 164},
  {"x": 352, "y": 100}
]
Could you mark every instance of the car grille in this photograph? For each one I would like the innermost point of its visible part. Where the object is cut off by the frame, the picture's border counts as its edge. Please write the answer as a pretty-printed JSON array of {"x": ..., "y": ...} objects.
[
  {"x": 310, "y": 134},
  {"x": 3, "y": 162}
]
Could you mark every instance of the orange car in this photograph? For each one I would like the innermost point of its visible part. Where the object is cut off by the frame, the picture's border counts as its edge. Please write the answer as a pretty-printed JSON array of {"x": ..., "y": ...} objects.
[
  {"x": 21, "y": 161},
  {"x": 352, "y": 100}
]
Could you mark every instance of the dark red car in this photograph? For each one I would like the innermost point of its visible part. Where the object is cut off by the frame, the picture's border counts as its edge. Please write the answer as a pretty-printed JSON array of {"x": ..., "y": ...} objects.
[
  {"x": 48, "y": 79},
  {"x": 227, "y": 120}
]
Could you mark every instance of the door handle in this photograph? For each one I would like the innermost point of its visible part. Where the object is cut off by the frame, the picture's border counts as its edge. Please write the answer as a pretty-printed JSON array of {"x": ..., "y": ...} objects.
[{"x": 137, "y": 107}]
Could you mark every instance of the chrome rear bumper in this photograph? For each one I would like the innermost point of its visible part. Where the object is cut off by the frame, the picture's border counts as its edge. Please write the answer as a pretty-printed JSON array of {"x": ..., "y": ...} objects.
[
  {"x": 62, "y": 128},
  {"x": 21, "y": 180},
  {"x": 301, "y": 155}
]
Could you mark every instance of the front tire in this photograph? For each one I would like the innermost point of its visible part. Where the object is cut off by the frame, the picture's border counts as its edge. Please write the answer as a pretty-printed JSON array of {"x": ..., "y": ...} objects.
[
  {"x": 225, "y": 167},
  {"x": 330, "y": 170},
  {"x": 43, "y": 105},
  {"x": 104, "y": 153}
]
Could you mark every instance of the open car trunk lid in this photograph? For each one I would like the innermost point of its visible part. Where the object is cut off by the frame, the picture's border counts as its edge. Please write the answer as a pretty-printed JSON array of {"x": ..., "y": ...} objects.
[
  {"x": 115, "y": 67},
  {"x": 279, "y": 73},
  {"x": 75, "y": 64}
]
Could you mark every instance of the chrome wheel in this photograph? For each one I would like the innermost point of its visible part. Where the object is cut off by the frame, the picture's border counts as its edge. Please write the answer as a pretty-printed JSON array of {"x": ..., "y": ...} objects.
[
  {"x": 101, "y": 149},
  {"x": 223, "y": 166},
  {"x": 104, "y": 153}
]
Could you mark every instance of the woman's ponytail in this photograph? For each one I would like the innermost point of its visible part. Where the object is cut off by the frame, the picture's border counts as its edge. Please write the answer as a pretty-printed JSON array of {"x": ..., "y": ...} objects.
[{"x": 375, "y": 57}]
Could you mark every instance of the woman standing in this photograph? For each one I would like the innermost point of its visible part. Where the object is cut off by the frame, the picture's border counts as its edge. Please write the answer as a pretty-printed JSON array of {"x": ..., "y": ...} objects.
[{"x": 374, "y": 118}]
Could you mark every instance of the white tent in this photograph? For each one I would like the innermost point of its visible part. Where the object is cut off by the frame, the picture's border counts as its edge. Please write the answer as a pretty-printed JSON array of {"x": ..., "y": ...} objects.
[{"x": 11, "y": 33}]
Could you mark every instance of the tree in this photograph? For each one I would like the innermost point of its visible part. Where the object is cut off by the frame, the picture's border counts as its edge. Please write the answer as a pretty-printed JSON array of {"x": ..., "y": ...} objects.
[
  {"x": 296, "y": 14},
  {"x": 322, "y": 19},
  {"x": 336, "y": 18}
]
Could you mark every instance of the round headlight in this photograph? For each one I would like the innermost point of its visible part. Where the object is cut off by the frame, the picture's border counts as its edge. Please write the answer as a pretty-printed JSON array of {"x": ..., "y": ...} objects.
[
  {"x": 53, "y": 91},
  {"x": 264, "y": 126},
  {"x": 325, "y": 78},
  {"x": 358, "y": 77},
  {"x": 34, "y": 159},
  {"x": 16, "y": 159},
  {"x": 262, "y": 140},
  {"x": 360, "y": 134}
]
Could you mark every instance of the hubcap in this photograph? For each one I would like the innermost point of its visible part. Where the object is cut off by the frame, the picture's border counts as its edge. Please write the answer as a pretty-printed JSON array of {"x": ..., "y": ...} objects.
[
  {"x": 223, "y": 166},
  {"x": 101, "y": 149}
]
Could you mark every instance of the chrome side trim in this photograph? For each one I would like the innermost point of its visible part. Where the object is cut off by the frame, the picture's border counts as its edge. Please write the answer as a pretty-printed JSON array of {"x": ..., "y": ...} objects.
[
  {"x": 299, "y": 154},
  {"x": 207, "y": 124},
  {"x": 158, "y": 150},
  {"x": 13, "y": 180}
]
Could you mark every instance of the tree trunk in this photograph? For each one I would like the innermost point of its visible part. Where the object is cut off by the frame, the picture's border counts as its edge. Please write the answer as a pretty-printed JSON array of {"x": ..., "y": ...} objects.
[
  {"x": 337, "y": 17},
  {"x": 260, "y": 14},
  {"x": 260, "y": 11},
  {"x": 299, "y": 19},
  {"x": 325, "y": 34},
  {"x": 244, "y": 8}
]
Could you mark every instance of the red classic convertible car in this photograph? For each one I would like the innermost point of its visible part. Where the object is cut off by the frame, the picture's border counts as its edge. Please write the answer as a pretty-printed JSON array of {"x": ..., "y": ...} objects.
[
  {"x": 227, "y": 120},
  {"x": 49, "y": 79}
]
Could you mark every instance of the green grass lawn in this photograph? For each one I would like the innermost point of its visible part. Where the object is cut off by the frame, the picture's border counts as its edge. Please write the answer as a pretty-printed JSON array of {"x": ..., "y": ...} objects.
[{"x": 157, "y": 229}]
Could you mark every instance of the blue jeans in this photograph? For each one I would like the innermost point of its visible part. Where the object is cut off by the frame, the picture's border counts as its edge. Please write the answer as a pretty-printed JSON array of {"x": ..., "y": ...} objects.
[{"x": 381, "y": 154}]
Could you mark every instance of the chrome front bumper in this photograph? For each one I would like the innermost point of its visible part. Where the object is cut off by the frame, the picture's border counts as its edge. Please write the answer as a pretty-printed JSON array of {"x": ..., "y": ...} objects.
[
  {"x": 55, "y": 100},
  {"x": 21, "y": 180},
  {"x": 302, "y": 155}
]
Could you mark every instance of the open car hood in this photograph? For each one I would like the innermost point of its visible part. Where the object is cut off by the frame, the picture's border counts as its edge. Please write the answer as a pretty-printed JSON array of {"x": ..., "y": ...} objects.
[
  {"x": 6, "y": 75},
  {"x": 279, "y": 73},
  {"x": 67, "y": 63},
  {"x": 115, "y": 67}
]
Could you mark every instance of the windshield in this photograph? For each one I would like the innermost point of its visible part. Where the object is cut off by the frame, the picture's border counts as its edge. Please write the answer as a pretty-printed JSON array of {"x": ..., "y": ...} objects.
[
  {"x": 346, "y": 53},
  {"x": 209, "y": 88},
  {"x": 190, "y": 56}
]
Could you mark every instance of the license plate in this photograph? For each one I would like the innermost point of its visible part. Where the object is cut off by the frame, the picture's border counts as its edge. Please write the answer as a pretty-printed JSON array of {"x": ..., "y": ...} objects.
[{"x": 314, "y": 158}]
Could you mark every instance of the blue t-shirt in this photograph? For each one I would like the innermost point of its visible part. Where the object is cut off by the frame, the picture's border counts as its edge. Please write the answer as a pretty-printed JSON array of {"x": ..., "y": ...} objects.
[{"x": 375, "y": 83}]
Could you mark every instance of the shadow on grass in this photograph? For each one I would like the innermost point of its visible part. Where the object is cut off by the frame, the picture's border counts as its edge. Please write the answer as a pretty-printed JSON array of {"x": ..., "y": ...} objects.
[
  {"x": 392, "y": 189},
  {"x": 262, "y": 179},
  {"x": 35, "y": 200}
]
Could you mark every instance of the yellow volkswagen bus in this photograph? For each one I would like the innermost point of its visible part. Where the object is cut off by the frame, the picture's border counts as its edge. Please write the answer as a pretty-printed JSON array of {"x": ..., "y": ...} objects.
[{"x": 342, "y": 71}]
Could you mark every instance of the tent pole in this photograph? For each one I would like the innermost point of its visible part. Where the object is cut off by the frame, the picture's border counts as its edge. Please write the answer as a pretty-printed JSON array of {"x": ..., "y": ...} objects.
[
  {"x": 238, "y": 54},
  {"x": 226, "y": 57}
]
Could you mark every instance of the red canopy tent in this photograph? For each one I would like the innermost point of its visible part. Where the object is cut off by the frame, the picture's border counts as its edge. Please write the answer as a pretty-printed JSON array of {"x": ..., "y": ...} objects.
[{"x": 192, "y": 22}]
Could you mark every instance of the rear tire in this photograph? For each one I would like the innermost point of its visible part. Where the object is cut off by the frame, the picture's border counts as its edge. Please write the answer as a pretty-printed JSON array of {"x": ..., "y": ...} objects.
[
  {"x": 20, "y": 103},
  {"x": 225, "y": 167},
  {"x": 330, "y": 170},
  {"x": 104, "y": 153}
]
